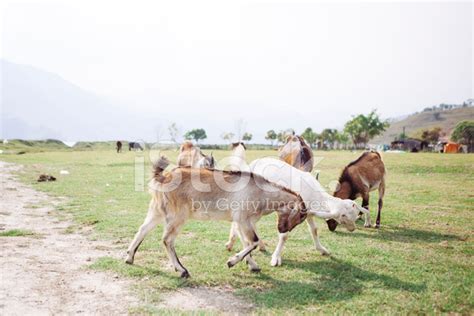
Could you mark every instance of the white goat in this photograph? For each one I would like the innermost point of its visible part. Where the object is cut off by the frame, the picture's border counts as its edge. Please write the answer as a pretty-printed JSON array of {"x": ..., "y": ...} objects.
[
  {"x": 317, "y": 200},
  {"x": 236, "y": 160}
]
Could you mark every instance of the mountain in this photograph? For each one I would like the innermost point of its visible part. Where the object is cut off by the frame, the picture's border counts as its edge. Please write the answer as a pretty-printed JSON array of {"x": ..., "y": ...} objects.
[
  {"x": 417, "y": 122},
  {"x": 37, "y": 104}
]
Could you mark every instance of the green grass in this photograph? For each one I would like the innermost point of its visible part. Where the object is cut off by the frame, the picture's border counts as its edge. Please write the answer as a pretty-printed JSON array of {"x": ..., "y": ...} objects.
[
  {"x": 420, "y": 261},
  {"x": 16, "y": 233}
]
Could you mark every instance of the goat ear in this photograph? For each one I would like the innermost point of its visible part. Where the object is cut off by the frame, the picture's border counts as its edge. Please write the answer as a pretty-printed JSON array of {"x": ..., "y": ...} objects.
[
  {"x": 283, "y": 222},
  {"x": 332, "y": 224},
  {"x": 361, "y": 209}
]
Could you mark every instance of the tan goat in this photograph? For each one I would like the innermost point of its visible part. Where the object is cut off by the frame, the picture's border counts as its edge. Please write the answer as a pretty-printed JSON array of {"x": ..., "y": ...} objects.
[
  {"x": 192, "y": 156},
  {"x": 204, "y": 194},
  {"x": 297, "y": 153}
]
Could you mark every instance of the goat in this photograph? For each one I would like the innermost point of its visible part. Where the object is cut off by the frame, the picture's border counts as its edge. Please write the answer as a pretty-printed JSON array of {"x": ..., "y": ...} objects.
[
  {"x": 236, "y": 162},
  {"x": 119, "y": 146},
  {"x": 297, "y": 153},
  {"x": 358, "y": 178},
  {"x": 134, "y": 146},
  {"x": 206, "y": 194},
  {"x": 316, "y": 199},
  {"x": 192, "y": 156}
]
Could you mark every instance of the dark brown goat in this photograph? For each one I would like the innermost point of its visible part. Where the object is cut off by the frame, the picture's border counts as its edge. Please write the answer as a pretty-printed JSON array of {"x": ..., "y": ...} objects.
[{"x": 361, "y": 176}]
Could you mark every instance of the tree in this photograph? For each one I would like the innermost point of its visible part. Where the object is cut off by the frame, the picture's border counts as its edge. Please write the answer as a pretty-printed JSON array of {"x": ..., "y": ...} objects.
[
  {"x": 402, "y": 136},
  {"x": 283, "y": 135},
  {"x": 329, "y": 137},
  {"x": 173, "y": 131},
  {"x": 247, "y": 137},
  {"x": 363, "y": 128},
  {"x": 431, "y": 136},
  {"x": 464, "y": 134},
  {"x": 310, "y": 136},
  {"x": 227, "y": 136},
  {"x": 240, "y": 126},
  {"x": 197, "y": 134},
  {"x": 271, "y": 136},
  {"x": 343, "y": 138}
]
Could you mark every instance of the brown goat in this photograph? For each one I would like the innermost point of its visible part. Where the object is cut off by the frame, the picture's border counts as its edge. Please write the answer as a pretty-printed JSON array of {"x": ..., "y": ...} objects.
[
  {"x": 358, "y": 178},
  {"x": 297, "y": 153}
]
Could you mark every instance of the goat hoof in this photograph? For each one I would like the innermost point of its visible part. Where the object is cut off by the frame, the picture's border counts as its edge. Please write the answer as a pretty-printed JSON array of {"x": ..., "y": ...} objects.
[
  {"x": 275, "y": 262},
  {"x": 231, "y": 262},
  {"x": 367, "y": 225},
  {"x": 185, "y": 274},
  {"x": 228, "y": 246},
  {"x": 377, "y": 226},
  {"x": 129, "y": 261},
  {"x": 324, "y": 252},
  {"x": 255, "y": 269}
]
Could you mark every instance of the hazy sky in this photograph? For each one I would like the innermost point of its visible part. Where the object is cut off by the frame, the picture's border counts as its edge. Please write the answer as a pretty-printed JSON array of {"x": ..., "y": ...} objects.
[{"x": 276, "y": 64}]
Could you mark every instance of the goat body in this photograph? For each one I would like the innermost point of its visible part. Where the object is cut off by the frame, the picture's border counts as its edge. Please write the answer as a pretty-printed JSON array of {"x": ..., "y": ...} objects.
[
  {"x": 358, "y": 179},
  {"x": 187, "y": 193},
  {"x": 297, "y": 153},
  {"x": 316, "y": 199},
  {"x": 236, "y": 161}
]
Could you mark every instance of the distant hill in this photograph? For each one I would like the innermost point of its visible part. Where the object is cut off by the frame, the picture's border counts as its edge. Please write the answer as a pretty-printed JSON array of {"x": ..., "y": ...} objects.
[
  {"x": 20, "y": 146},
  {"x": 415, "y": 123},
  {"x": 37, "y": 104}
]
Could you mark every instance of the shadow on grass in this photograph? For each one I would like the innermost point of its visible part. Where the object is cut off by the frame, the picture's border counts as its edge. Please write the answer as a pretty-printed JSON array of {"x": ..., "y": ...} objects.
[
  {"x": 334, "y": 280},
  {"x": 401, "y": 235},
  {"x": 136, "y": 271}
]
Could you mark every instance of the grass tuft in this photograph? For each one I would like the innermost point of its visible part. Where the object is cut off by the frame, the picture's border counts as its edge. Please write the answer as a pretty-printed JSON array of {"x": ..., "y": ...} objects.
[{"x": 16, "y": 233}]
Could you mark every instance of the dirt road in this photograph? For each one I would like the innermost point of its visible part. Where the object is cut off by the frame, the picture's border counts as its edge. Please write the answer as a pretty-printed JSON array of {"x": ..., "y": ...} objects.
[{"x": 46, "y": 273}]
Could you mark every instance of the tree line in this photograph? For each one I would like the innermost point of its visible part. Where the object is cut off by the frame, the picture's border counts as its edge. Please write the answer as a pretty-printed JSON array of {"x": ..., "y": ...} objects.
[{"x": 357, "y": 132}]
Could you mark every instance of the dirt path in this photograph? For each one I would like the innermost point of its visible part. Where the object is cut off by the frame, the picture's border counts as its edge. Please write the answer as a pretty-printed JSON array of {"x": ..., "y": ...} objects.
[{"x": 46, "y": 273}]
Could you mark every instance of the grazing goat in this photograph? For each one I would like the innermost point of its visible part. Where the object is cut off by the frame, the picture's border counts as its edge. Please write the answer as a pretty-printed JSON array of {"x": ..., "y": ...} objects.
[
  {"x": 316, "y": 199},
  {"x": 358, "y": 178},
  {"x": 189, "y": 193},
  {"x": 119, "y": 147},
  {"x": 297, "y": 153},
  {"x": 134, "y": 146},
  {"x": 192, "y": 156}
]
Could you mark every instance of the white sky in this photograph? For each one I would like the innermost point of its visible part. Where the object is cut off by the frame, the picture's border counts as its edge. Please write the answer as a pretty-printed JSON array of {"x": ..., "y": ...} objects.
[{"x": 276, "y": 64}]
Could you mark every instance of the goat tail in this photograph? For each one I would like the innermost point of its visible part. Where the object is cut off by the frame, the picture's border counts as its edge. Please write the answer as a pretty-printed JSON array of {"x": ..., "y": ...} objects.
[{"x": 158, "y": 167}]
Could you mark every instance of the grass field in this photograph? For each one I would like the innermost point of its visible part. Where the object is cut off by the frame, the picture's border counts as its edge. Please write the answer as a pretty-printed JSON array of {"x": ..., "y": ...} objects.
[{"x": 420, "y": 261}]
